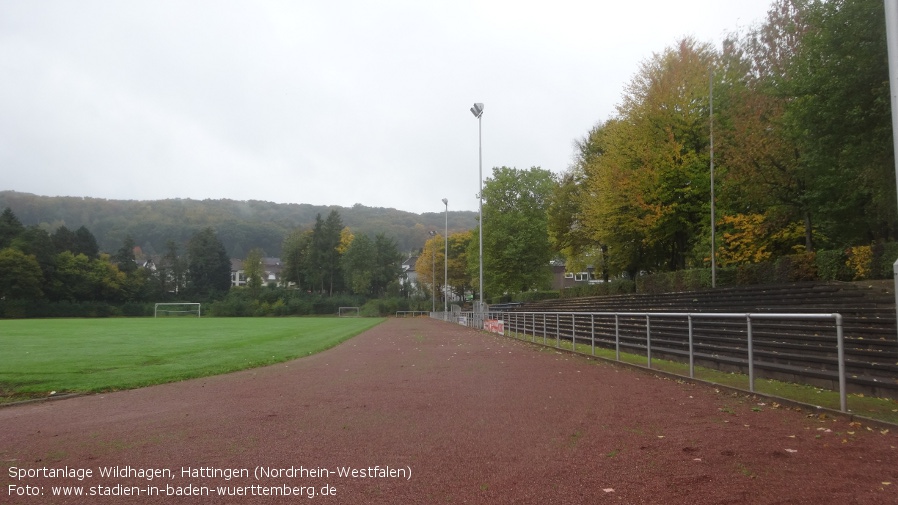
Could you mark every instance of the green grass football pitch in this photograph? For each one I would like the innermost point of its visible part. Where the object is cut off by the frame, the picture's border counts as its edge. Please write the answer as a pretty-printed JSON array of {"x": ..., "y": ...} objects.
[{"x": 39, "y": 356}]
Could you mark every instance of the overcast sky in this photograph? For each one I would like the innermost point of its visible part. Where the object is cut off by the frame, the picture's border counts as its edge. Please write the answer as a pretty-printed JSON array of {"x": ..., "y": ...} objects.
[{"x": 325, "y": 102}]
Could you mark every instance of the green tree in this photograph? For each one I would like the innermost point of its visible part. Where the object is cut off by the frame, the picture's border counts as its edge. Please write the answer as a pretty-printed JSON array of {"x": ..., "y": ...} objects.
[
  {"x": 10, "y": 227},
  {"x": 208, "y": 265},
  {"x": 387, "y": 264},
  {"x": 324, "y": 255},
  {"x": 79, "y": 278},
  {"x": 63, "y": 239},
  {"x": 840, "y": 117},
  {"x": 35, "y": 241},
  {"x": 567, "y": 232},
  {"x": 170, "y": 271},
  {"x": 370, "y": 266},
  {"x": 516, "y": 249},
  {"x": 20, "y": 276},
  {"x": 359, "y": 265},
  {"x": 85, "y": 243},
  {"x": 124, "y": 257},
  {"x": 254, "y": 269},
  {"x": 330, "y": 254},
  {"x": 295, "y": 254}
]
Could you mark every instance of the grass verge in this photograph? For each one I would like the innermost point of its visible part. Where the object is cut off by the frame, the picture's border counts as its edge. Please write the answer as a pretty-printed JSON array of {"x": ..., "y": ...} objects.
[
  {"x": 882, "y": 409},
  {"x": 44, "y": 357}
]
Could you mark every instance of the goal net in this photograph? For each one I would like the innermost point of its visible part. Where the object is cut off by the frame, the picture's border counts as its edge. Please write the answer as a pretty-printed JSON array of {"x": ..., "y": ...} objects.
[
  {"x": 348, "y": 312},
  {"x": 176, "y": 309}
]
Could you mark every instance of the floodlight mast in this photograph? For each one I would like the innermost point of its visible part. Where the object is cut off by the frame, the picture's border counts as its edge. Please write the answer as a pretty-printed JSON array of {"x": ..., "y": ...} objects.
[
  {"x": 433, "y": 277},
  {"x": 477, "y": 110},
  {"x": 446, "y": 264}
]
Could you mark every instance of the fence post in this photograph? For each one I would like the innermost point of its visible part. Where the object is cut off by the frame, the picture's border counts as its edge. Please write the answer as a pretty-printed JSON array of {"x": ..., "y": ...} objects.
[
  {"x": 691, "y": 350},
  {"x": 573, "y": 332},
  {"x": 617, "y": 337},
  {"x": 751, "y": 355},
  {"x": 558, "y": 330},
  {"x": 592, "y": 332},
  {"x": 648, "y": 340},
  {"x": 840, "y": 345}
]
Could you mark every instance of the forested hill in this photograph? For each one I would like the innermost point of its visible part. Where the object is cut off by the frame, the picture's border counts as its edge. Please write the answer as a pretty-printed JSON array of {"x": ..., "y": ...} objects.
[{"x": 241, "y": 225}]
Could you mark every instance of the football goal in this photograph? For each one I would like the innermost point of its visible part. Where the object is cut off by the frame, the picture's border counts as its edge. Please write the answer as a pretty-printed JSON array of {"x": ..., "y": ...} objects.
[
  {"x": 176, "y": 309},
  {"x": 348, "y": 312}
]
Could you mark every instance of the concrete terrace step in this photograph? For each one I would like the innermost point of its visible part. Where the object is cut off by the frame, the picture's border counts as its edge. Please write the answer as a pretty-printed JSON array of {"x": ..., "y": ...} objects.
[{"x": 791, "y": 349}]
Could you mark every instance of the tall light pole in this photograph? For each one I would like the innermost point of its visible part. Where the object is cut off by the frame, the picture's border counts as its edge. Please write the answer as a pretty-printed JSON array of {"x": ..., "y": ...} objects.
[
  {"x": 891, "y": 12},
  {"x": 433, "y": 276},
  {"x": 713, "y": 217},
  {"x": 477, "y": 110},
  {"x": 446, "y": 262}
]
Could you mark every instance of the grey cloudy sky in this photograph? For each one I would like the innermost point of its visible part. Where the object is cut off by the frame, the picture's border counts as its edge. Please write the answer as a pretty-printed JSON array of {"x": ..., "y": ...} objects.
[{"x": 326, "y": 102}]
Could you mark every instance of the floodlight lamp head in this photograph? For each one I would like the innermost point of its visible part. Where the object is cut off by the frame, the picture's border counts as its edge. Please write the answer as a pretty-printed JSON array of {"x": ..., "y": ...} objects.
[
  {"x": 445, "y": 202},
  {"x": 477, "y": 110}
]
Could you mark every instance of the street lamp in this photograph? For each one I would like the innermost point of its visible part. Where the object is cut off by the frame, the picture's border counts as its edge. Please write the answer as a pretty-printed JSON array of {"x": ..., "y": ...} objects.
[
  {"x": 433, "y": 276},
  {"x": 446, "y": 262},
  {"x": 477, "y": 110}
]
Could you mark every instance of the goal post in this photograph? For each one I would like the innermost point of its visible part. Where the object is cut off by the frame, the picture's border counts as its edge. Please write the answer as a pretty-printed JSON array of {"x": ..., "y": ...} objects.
[
  {"x": 177, "y": 309},
  {"x": 348, "y": 312}
]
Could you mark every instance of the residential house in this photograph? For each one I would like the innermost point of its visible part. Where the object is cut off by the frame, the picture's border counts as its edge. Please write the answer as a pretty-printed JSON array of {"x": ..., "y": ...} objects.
[{"x": 271, "y": 267}]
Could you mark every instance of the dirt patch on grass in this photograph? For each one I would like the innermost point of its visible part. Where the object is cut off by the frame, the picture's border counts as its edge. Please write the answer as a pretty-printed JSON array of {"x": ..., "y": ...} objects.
[{"x": 436, "y": 413}]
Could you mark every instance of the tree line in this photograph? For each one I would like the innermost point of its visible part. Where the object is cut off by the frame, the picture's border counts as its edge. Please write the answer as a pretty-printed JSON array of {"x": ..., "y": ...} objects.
[
  {"x": 798, "y": 109},
  {"x": 67, "y": 266},
  {"x": 328, "y": 258},
  {"x": 240, "y": 225}
]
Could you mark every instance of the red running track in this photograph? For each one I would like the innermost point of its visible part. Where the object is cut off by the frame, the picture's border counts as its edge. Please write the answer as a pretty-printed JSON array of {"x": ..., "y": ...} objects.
[{"x": 457, "y": 416}]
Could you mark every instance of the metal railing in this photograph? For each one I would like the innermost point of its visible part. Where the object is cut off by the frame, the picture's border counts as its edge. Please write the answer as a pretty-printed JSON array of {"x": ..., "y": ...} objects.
[{"x": 583, "y": 326}]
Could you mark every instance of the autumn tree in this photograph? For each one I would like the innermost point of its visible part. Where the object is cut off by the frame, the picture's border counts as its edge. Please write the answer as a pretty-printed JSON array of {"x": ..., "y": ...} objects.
[
  {"x": 650, "y": 186},
  {"x": 430, "y": 264},
  {"x": 764, "y": 179},
  {"x": 568, "y": 234},
  {"x": 457, "y": 264}
]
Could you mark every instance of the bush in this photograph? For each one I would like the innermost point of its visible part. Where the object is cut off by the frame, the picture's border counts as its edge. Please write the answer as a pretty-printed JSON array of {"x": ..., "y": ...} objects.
[
  {"x": 796, "y": 268},
  {"x": 535, "y": 296},
  {"x": 680, "y": 280},
  {"x": 884, "y": 256},
  {"x": 383, "y": 307},
  {"x": 860, "y": 262},
  {"x": 615, "y": 287},
  {"x": 832, "y": 266},
  {"x": 763, "y": 272}
]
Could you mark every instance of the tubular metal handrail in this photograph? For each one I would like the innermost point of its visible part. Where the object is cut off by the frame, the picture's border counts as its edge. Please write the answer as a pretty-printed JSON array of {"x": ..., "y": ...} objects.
[{"x": 518, "y": 320}]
